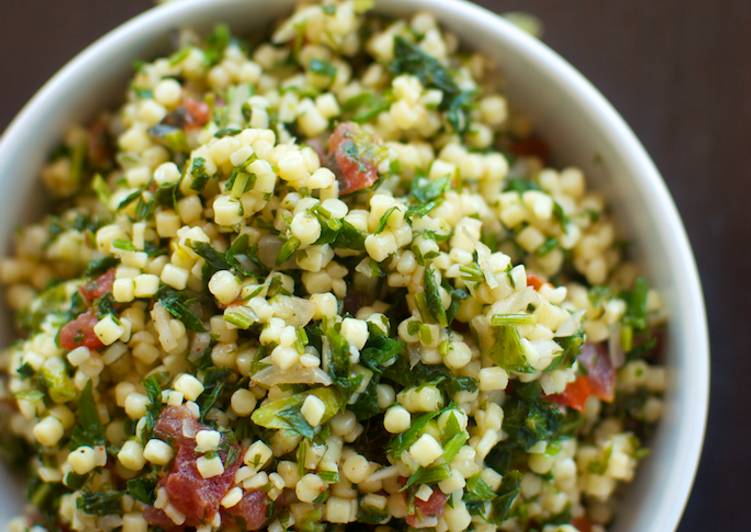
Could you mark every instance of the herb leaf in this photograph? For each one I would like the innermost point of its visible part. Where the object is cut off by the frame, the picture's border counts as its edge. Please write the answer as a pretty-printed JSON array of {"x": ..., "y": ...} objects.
[
  {"x": 100, "y": 502},
  {"x": 433, "y": 296},
  {"x": 177, "y": 304},
  {"x": 89, "y": 429}
]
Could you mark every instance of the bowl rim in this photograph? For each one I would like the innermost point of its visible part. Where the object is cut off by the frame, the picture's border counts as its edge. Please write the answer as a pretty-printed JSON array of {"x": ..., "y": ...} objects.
[{"x": 646, "y": 176}]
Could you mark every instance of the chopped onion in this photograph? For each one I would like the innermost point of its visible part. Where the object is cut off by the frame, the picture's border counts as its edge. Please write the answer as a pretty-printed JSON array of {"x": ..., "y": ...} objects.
[
  {"x": 273, "y": 375},
  {"x": 268, "y": 250},
  {"x": 295, "y": 310}
]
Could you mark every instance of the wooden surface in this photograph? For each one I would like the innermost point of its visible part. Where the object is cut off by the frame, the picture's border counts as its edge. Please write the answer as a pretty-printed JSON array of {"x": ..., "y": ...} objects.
[{"x": 677, "y": 70}]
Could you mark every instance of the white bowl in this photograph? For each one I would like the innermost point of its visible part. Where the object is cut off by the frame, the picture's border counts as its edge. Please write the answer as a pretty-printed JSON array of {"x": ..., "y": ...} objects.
[{"x": 579, "y": 124}]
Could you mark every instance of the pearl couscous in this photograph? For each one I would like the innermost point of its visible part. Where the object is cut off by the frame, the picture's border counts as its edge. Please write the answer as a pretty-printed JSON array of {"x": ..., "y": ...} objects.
[{"x": 328, "y": 278}]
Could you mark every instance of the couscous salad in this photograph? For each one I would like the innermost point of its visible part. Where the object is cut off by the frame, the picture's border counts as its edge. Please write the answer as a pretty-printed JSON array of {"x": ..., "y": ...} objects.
[{"x": 326, "y": 278}]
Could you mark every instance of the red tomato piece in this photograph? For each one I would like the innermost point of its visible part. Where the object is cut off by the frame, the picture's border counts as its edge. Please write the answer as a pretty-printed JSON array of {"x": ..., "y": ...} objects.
[
  {"x": 177, "y": 423},
  {"x": 198, "y": 113},
  {"x": 433, "y": 507},
  {"x": 80, "y": 332},
  {"x": 96, "y": 288},
  {"x": 575, "y": 395},
  {"x": 582, "y": 524},
  {"x": 192, "y": 495},
  {"x": 534, "y": 280},
  {"x": 353, "y": 152},
  {"x": 599, "y": 380},
  {"x": 251, "y": 510},
  {"x": 158, "y": 518}
]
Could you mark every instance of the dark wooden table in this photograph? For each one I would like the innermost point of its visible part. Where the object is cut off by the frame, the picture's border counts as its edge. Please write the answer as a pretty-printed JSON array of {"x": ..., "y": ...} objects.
[{"x": 679, "y": 73}]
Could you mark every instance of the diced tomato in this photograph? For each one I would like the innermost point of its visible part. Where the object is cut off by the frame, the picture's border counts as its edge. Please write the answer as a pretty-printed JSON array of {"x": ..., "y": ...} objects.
[
  {"x": 158, "y": 518},
  {"x": 355, "y": 161},
  {"x": 575, "y": 395},
  {"x": 176, "y": 423},
  {"x": 531, "y": 147},
  {"x": 599, "y": 380},
  {"x": 433, "y": 507},
  {"x": 80, "y": 332},
  {"x": 534, "y": 280},
  {"x": 192, "y": 495},
  {"x": 251, "y": 510},
  {"x": 198, "y": 113},
  {"x": 96, "y": 288},
  {"x": 582, "y": 524}
]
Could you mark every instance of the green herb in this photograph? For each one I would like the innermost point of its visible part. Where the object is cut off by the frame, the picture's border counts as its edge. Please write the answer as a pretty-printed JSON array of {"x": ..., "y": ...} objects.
[
  {"x": 560, "y": 215},
  {"x": 332, "y": 477},
  {"x": 145, "y": 208},
  {"x": 508, "y": 351},
  {"x": 458, "y": 111},
  {"x": 101, "y": 189},
  {"x": 153, "y": 385},
  {"x": 427, "y": 475},
  {"x": 178, "y": 305},
  {"x": 199, "y": 173},
  {"x": 100, "y": 265},
  {"x": 74, "y": 481},
  {"x": 366, "y": 405},
  {"x": 472, "y": 272},
  {"x": 267, "y": 415},
  {"x": 636, "y": 304},
  {"x": 287, "y": 250},
  {"x": 29, "y": 395},
  {"x": 214, "y": 380},
  {"x": 25, "y": 371},
  {"x": 214, "y": 260},
  {"x": 571, "y": 346},
  {"x": 322, "y": 68},
  {"x": 227, "y": 132},
  {"x": 401, "y": 442},
  {"x": 124, "y": 245},
  {"x": 380, "y": 351},
  {"x": 520, "y": 185},
  {"x": 240, "y": 316},
  {"x": 384, "y": 220},
  {"x": 507, "y": 493},
  {"x": 179, "y": 56},
  {"x": 366, "y": 106},
  {"x": 171, "y": 137},
  {"x": 297, "y": 422},
  {"x": 130, "y": 198},
  {"x": 106, "y": 306},
  {"x": 371, "y": 515},
  {"x": 546, "y": 247},
  {"x": 512, "y": 319},
  {"x": 100, "y": 502},
  {"x": 142, "y": 489},
  {"x": 142, "y": 93},
  {"x": 426, "y": 195},
  {"x": 527, "y": 419},
  {"x": 411, "y": 59},
  {"x": 216, "y": 43},
  {"x": 59, "y": 385},
  {"x": 433, "y": 296},
  {"x": 337, "y": 232},
  {"x": 477, "y": 490}
]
